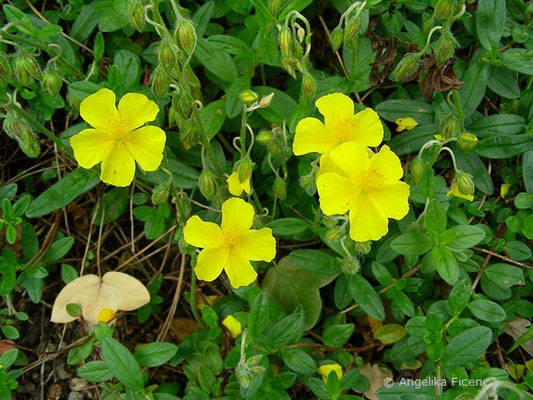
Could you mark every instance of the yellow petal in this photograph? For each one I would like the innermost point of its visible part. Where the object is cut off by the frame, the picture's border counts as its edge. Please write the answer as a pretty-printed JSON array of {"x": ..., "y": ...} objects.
[
  {"x": 387, "y": 164},
  {"x": 326, "y": 369},
  {"x": 90, "y": 147},
  {"x": 350, "y": 157},
  {"x": 257, "y": 245},
  {"x": 136, "y": 109},
  {"x": 237, "y": 215},
  {"x": 335, "y": 107},
  {"x": 406, "y": 123},
  {"x": 210, "y": 263},
  {"x": 99, "y": 109},
  {"x": 393, "y": 198},
  {"x": 118, "y": 167},
  {"x": 202, "y": 234},
  {"x": 105, "y": 315},
  {"x": 337, "y": 193},
  {"x": 368, "y": 128},
  {"x": 367, "y": 222},
  {"x": 239, "y": 270},
  {"x": 454, "y": 191},
  {"x": 233, "y": 325},
  {"x": 312, "y": 136},
  {"x": 504, "y": 189},
  {"x": 146, "y": 146},
  {"x": 235, "y": 186}
]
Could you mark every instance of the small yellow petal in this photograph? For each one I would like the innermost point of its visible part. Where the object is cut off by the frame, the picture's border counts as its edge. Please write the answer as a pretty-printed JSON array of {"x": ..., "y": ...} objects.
[
  {"x": 406, "y": 123},
  {"x": 90, "y": 147},
  {"x": 146, "y": 146},
  {"x": 368, "y": 128},
  {"x": 326, "y": 369},
  {"x": 504, "y": 189},
  {"x": 99, "y": 109},
  {"x": 237, "y": 216},
  {"x": 257, "y": 245},
  {"x": 367, "y": 221},
  {"x": 454, "y": 191},
  {"x": 118, "y": 167},
  {"x": 105, "y": 315},
  {"x": 235, "y": 186},
  {"x": 239, "y": 270},
  {"x": 210, "y": 263},
  {"x": 335, "y": 107},
  {"x": 202, "y": 234},
  {"x": 312, "y": 136},
  {"x": 136, "y": 109},
  {"x": 387, "y": 164},
  {"x": 336, "y": 193},
  {"x": 233, "y": 325}
]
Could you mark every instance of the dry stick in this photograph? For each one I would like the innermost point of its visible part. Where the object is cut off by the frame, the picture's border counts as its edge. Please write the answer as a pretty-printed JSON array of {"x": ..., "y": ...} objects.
[
  {"x": 89, "y": 237},
  {"x": 507, "y": 259},
  {"x": 167, "y": 251},
  {"x": 47, "y": 243},
  {"x": 146, "y": 248},
  {"x": 166, "y": 326},
  {"x": 122, "y": 247},
  {"x": 478, "y": 277},
  {"x": 406, "y": 275},
  {"x": 131, "y": 218},
  {"x": 99, "y": 243}
]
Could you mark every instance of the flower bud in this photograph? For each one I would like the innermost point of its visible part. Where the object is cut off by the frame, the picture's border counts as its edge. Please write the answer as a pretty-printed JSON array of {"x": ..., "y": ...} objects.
[
  {"x": 274, "y": 6},
  {"x": 18, "y": 130},
  {"x": 449, "y": 126},
  {"x": 207, "y": 184},
  {"x": 407, "y": 66},
  {"x": 429, "y": 154},
  {"x": 351, "y": 28},
  {"x": 445, "y": 47},
  {"x": 350, "y": 265},
  {"x": 334, "y": 233},
  {"x": 280, "y": 188},
  {"x": 185, "y": 36},
  {"x": 5, "y": 70},
  {"x": 336, "y": 38},
  {"x": 363, "y": 248},
  {"x": 188, "y": 133},
  {"x": 288, "y": 65},
  {"x": 25, "y": 66},
  {"x": 285, "y": 41},
  {"x": 300, "y": 33},
  {"x": 417, "y": 169},
  {"x": 308, "y": 184},
  {"x": 308, "y": 86},
  {"x": 52, "y": 81},
  {"x": 183, "y": 208},
  {"x": 244, "y": 169},
  {"x": 274, "y": 148},
  {"x": 160, "y": 194},
  {"x": 264, "y": 137},
  {"x": 167, "y": 56},
  {"x": 265, "y": 101},
  {"x": 248, "y": 97},
  {"x": 465, "y": 184},
  {"x": 136, "y": 14},
  {"x": 444, "y": 9},
  {"x": 160, "y": 82},
  {"x": 467, "y": 141}
]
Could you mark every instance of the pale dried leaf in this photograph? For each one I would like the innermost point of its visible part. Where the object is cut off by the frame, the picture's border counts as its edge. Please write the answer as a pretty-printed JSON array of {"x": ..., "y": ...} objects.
[{"x": 375, "y": 375}]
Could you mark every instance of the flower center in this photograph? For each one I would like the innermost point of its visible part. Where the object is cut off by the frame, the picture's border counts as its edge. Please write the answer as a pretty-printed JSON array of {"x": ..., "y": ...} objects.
[
  {"x": 105, "y": 315},
  {"x": 344, "y": 130},
  {"x": 370, "y": 180},
  {"x": 117, "y": 131},
  {"x": 230, "y": 239}
]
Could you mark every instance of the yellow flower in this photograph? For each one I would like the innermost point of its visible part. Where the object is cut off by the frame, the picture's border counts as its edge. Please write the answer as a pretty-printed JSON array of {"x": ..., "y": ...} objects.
[
  {"x": 235, "y": 186},
  {"x": 340, "y": 126},
  {"x": 454, "y": 191},
  {"x": 233, "y": 325},
  {"x": 118, "y": 138},
  {"x": 100, "y": 298},
  {"x": 230, "y": 246},
  {"x": 326, "y": 369},
  {"x": 369, "y": 187},
  {"x": 504, "y": 189},
  {"x": 406, "y": 123}
]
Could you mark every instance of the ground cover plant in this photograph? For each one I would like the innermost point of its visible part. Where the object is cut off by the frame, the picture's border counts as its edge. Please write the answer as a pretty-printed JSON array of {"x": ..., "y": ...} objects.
[{"x": 266, "y": 199}]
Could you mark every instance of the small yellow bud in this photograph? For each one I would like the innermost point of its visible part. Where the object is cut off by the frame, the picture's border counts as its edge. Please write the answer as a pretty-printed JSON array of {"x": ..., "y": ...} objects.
[
  {"x": 244, "y": 169},
  {"x": 52, "y": 81},
  {"x": 407, "y": 67},
  {"x": 136, "y": 15},
  {"x": 351, "y": 28},
  {"x": 207, "y": 185},
  {"x": 308, "y": 86},
  {"x": 504, "y": 189},
  {"x": 264, "y": 137},
  {"x": 105, "y": 315},
  {"x": 467, "y": 141},
  {"x": 265, "y": 101},
  {"x": 160, "y": 194},
  {"x": 285, "y": 41},
  {"x": 280, "y": 188},
  {"x": 248, "y": 97},
  {"x": 233, "y": 326},
  {"x": 406, "y": 123},
  {"x": 185, "y": 36},
  {"x": 160, "y": 82},
  {"x": 444, "y": 9},
  {"x": 167, "y": 56},
  {"x": 336, "y": 38},
  {"x": 325, "y": 370},
  {"x": 417, "y": 169}
]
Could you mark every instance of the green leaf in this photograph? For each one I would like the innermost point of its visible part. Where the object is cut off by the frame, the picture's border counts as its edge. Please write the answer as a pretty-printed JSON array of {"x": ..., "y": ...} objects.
[
  {"x": 258, "y": 315},
  {"x": 365, "y": 296},
  {"x": 114, "y": 203},
  {"x": 467, "y": 236},
  {"x": 358, "y": 59},
  {"x": 487, "y": 310},
  {"x": 473, "y": 164},
  {"x": 299, "y": 361},
  {"x": 420, "y": 111},
  {"x": 155, "y": 354},
  {"x": 435, "y": 218},
  {"x": 467, "y": 346},
  {"x": 9, "y": 357},
  {"x": 95, "y": 371},
  {"x": 281, "y": 106},
  {"x": 504, "y": 146},
  {"x": 80, "y": 353},
  {"x": 337, "y": 335},
  {"x": 519, "y": 60},
  {"x": 390, "y": 333},
  {"x": 231, "y": 45},
  {"x": 84, "y": 24},
  {"x": 49, "y": 31},
  {"x": 445, "y": 263},
  {"x": 317, "y": 261},
  {"x": 13, "y": 14},
  {"x": 475, "y": 82},
  {"x": 10, "y": 332},
  {"x": 518, "y": 251},
  {"x": 460, "y": 296},
  {"x": 524, "y": 338},
  {"x": 498, "y": 125},
  {"x": 285, "y": 331},
  {"x": 527, "y": 170},
  {"x": 412, "y": 244},
  {"x": 63, "y": 192},
  {"x": 504, "y": 83},
  {"x": 490, "y": 21},
  {"x": 288, "y": 227},
  {"x": 505, "y": 275},
  {"x": 129, "y": 66},
  {"x": 113, "y": 15},
  {"x": 215, "y": 61},
  {"x": 290, "y": 286},
  {"x": 59, "y": 249},
  {"x": 122, "y": 364},
  {"x": 213, "y": 117}
]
